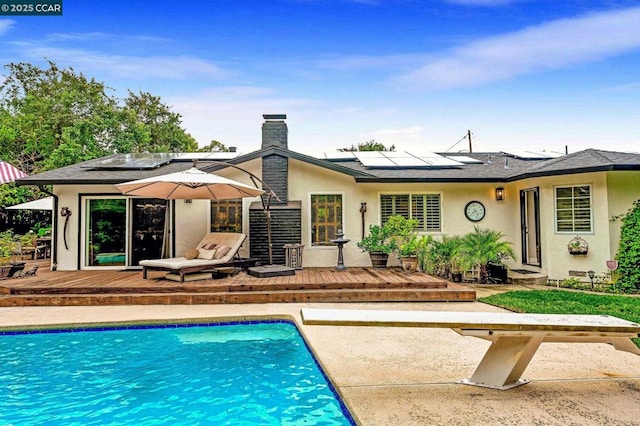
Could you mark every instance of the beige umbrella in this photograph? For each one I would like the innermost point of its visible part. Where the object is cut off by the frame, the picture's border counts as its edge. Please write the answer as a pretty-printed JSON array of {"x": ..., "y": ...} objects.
[
  {"x": 40, "y": 204},
  {"x": 188, "y": 184}
]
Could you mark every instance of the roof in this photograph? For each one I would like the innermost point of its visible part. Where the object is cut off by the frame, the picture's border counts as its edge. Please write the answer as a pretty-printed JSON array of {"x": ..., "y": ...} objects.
[
  {"x": 491, "y": 167},
  {"x": 590, "y": 160}
]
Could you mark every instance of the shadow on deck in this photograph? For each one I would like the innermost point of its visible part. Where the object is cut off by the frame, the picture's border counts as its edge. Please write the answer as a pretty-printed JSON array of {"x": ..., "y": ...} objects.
[{"x": 126, "y": 287}]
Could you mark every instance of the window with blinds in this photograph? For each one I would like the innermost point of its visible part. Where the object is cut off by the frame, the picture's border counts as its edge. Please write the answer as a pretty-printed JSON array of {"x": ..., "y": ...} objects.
[
  {"x": 573, "y": 209},
  {"x": 326, "y": 218},
  {"x": 426, "y": 208}
]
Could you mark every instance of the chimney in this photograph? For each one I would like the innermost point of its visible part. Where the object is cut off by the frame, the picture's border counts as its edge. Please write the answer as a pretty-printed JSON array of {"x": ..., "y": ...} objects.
[
  {"x": 285, "y": 215},
  {"x": 274, "y": 131}
]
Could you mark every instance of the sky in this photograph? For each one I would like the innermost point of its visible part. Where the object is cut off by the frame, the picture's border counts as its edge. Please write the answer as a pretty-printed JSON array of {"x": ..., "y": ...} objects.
[{"x": 550, "y": 75}]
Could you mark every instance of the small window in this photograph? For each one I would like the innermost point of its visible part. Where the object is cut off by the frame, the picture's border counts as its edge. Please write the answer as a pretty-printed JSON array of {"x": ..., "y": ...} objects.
[
  {"x": 326, "y": 218},
  {"x": 226, "y": 215},
  {"x": 423, "y": 207},
  {"x": 573, "y": 209}
]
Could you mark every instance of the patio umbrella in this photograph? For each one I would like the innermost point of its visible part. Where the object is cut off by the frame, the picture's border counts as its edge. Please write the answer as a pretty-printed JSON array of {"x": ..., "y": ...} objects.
[
  {"x": 189, "y": 184},
  {"x": 41, "y": 204},
  {"x": 8, "y": 173}
]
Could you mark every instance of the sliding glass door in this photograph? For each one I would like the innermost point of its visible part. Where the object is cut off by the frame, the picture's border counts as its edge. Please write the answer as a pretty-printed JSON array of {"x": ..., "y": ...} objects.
[
  {"x": 120, "y": 232},
  {"x": 105, "y": 232}
]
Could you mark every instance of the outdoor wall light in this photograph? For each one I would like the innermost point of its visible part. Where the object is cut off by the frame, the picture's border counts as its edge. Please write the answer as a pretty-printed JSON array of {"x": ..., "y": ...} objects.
[
  {"x": 591, "y": 275},
  {"x": 188, "y": 201},
  {"x": 500, "y": 194}
]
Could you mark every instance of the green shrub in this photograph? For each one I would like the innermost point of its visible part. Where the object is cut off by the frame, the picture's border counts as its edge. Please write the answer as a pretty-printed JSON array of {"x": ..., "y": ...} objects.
[{"x": 629, "y": 251}]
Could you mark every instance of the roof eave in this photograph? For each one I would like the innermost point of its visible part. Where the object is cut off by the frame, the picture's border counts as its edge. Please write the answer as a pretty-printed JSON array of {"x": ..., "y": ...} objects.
[{"x": 594, "y": 169}]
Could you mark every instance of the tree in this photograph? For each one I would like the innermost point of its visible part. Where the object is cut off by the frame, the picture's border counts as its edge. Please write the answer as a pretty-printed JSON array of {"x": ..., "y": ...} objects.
[
  {"x": 214, "y": 146},
  {"x": 629, "y": 250},
  {"x": 54, "y": 117},
  {"x": 370, "y": 145},
  {"x": 162, "y": 125}
]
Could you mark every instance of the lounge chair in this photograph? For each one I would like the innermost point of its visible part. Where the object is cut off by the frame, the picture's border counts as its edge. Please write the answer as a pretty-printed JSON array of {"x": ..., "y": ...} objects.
[{"x": 208, "y": 254}]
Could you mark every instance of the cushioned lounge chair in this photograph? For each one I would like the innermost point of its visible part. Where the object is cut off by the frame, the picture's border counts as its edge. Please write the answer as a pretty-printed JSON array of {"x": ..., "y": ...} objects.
[{"x": 209, "y": 255}]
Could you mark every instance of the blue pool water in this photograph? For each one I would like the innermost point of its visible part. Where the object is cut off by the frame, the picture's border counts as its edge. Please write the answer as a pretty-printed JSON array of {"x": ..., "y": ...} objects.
[{"x": 191, "y": 374}]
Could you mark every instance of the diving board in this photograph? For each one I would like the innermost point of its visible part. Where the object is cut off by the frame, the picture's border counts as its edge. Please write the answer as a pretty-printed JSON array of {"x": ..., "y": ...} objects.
[{"x": 515, "y": 337}]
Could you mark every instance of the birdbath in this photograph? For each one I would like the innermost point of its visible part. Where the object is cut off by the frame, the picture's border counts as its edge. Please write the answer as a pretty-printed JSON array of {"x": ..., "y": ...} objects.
[{"x": 340, "y": 242}]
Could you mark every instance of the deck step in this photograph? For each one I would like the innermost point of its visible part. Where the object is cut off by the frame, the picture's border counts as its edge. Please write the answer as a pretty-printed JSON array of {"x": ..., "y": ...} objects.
[
  {"x": 164, "y": 286},
  {"x": 287, "y": 296}
]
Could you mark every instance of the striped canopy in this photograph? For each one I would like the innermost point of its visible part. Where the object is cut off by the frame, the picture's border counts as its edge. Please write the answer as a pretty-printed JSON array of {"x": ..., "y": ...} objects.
[{"x": 8, "y": 173}]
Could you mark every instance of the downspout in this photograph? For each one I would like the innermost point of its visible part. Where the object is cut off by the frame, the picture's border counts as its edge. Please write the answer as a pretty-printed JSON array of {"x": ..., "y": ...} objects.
[{"x": 54, "y": 237}]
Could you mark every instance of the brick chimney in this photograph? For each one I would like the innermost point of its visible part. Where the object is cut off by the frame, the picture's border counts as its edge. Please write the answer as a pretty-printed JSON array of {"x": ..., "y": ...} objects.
[
  {"x": 274, "y": 131},
  {"x": 275, "y": 168},
  {"x": 286, "y": 215}
]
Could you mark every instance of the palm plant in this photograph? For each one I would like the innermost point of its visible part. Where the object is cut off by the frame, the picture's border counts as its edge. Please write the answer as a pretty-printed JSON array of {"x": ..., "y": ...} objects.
[
  {"x": 481, "y": 247},
  {"x": 440, "y": 258}
]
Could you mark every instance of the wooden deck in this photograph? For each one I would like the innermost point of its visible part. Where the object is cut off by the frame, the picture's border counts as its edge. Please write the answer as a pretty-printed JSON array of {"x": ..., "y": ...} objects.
[{"x": 126, "y": 287}]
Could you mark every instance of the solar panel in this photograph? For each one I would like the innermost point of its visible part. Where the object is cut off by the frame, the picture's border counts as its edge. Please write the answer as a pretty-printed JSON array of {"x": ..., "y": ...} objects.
[
  {"x": 138, "y": 161},
  {"x": 464, "y": 159},
  {"x": 373, "y": 159},
  {"x": 437, "y": 160},
  {"x": 403, "y": 159},
  {"x": 531, "y": 155}
]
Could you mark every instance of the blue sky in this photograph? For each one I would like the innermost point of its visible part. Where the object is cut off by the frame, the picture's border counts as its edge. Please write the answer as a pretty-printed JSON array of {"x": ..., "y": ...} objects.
[{"x": 520, "y": 74}]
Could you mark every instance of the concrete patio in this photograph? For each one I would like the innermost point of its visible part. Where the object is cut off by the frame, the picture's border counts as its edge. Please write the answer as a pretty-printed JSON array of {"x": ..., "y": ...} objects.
[{"x": 406, "y": 376}]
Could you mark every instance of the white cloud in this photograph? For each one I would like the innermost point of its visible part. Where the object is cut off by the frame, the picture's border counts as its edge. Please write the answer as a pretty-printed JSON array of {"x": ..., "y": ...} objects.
[
  {"x": 233, "y": 115},
  {"x": 362, "y": 62},
  {"x": 5, "y": 25},
  {"x": 553, "y": 45},
  {"x": 132, "y": 67},
  {"x": 78, "y": 36}
]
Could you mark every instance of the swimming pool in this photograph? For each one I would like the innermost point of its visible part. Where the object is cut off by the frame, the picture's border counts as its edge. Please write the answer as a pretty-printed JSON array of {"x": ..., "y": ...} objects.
[{"x": 260, "y": 373}]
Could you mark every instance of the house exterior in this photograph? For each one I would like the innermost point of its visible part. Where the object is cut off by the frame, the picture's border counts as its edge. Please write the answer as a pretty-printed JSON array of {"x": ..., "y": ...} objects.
[{"x": 539, "y": 203}]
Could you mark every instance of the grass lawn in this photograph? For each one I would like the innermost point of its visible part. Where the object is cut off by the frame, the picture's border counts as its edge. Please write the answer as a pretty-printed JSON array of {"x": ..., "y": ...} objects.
[{"x": 568, "y": 302}]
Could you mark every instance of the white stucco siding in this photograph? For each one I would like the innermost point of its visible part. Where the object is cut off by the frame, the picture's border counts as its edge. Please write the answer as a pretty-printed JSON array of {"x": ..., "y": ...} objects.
[
  {"x": 556, "y": 260},
  {"x": 191, "y": 224},
  {"x": 306, "y": 179}
]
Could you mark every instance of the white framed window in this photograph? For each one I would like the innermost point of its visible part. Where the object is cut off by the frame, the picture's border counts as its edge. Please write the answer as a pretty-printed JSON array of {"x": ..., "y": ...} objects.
[
  {"x": 326, "y": 218},
  {"x": 426, "y": 208},
  {"x": 574, "y": 209}
]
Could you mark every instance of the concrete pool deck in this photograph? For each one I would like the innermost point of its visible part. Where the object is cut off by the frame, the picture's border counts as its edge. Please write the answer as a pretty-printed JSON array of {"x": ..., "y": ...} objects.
[{"x": 406, "y": 376}]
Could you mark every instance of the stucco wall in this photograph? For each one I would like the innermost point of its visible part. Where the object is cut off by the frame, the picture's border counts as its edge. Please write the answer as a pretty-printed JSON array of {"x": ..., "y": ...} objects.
[
  {"x": 556, "y": 260},
  {"x": 307, "y": 179}
]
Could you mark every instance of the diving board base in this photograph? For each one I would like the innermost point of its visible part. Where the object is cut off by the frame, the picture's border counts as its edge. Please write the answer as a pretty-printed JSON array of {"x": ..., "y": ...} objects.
[{"x": 512, "y": 385}]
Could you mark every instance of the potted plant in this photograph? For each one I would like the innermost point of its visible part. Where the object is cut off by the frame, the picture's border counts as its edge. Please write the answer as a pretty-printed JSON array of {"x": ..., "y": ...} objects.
[
  {"x": 408, "y": 254},
  {"x": 8, "y": 247},
  {"x": 412, "y": 253},
  {"x": 378, "y": 244},
  {"x": 578, "y": 246},
  {"x": 479, "y": 248},
  {"x": 402, "y": 231}
]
